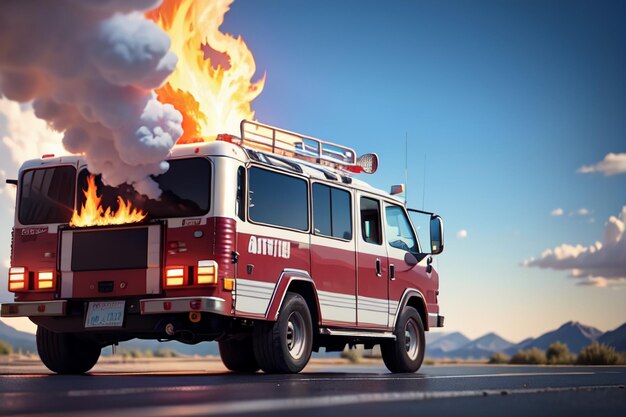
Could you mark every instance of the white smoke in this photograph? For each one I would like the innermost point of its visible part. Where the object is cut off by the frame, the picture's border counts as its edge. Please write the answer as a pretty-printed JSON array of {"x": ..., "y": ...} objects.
[{"x": 89, "y": 68}]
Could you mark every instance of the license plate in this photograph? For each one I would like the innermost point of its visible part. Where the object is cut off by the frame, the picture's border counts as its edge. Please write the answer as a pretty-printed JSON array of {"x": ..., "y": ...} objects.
[{"x": 105, "y": 314}]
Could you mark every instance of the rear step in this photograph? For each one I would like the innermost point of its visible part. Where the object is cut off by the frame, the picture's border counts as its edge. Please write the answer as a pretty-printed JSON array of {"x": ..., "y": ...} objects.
[{"x": 361, "y": 334}]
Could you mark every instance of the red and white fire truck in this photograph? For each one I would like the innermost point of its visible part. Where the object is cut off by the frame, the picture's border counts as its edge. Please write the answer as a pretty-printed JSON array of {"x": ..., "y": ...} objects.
[{"x": 265, "y": 243}]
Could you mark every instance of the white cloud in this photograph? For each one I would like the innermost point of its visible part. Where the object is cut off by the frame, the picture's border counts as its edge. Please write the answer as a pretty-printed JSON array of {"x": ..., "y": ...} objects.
[
  {"x": 461, "y": 234},
  {"x": 600, "y": 264},
  {"x": 612, "y": 164},
  {"x": 557, "y": 212},
  {"x": 580, "y": 212}
]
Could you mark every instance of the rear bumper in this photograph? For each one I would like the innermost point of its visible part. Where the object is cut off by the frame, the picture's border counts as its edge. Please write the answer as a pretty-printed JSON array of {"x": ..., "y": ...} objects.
[
  {"x": 182, "y": 305},
  {"x": 34, "y": 309},
  {"x": 58, "y": 308},
  {"x": 435, "y": 320}
]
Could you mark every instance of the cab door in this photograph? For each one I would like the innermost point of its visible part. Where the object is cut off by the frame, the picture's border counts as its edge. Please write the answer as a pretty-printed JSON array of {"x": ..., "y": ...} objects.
[
  {"x": 408, "y": 268},
  {"x": 372, "y": 265}
]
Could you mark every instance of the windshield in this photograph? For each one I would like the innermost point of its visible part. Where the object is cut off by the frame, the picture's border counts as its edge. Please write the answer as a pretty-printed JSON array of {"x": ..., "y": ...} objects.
[{"x": 186, "y": 191}]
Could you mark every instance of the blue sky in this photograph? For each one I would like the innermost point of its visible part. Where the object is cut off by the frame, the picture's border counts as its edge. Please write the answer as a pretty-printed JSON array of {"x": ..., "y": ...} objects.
[{"x": 506, "y": 100}]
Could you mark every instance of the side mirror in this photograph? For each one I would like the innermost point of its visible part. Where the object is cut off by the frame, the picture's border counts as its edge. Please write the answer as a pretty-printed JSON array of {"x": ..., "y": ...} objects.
[
  {"x": 436, "y": 234},
  {"x": 410, "y": 259}
]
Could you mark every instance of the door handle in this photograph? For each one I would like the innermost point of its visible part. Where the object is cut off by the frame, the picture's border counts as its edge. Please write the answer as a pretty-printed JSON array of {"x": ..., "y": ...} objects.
[
  {"x": 392, "y": 272},
  {"x": 429, "y": 265},
  {"x": 378, "y": 268}
]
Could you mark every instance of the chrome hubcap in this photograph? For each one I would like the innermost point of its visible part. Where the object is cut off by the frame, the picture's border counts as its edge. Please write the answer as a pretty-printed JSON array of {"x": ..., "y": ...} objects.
[
  {"x": 411, "y": 339},
  {"x": 295, "y": 335}
]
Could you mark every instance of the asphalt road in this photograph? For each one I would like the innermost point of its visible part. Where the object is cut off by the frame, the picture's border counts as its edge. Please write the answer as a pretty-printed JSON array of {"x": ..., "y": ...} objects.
[{"x": 323, "y": 389}]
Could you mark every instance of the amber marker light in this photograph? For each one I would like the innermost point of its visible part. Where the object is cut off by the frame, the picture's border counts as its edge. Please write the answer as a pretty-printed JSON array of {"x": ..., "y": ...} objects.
[{"x": 229, "y": 284}]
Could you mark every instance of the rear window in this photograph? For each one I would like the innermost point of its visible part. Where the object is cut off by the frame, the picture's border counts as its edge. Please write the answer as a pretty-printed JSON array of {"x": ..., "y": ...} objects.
[
  {"x": 47, "y": 195},
  {"x": 186, "y": 191}
]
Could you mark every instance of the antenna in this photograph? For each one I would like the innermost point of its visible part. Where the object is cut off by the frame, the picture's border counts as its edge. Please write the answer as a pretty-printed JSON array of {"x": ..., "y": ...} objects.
[
  {"x": 406, "y": 164},
  {"x": 424, "y": 185}
]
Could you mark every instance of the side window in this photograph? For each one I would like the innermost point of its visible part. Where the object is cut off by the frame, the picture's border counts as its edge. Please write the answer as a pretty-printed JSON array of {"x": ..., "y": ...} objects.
[
  {"x": 278, "y": 199},
  {"x": 332, "y": 212},
  {"x": 370, "y": 221},
  {"x": 399, "y": 232},
  {"x": 241, "y": 187}
]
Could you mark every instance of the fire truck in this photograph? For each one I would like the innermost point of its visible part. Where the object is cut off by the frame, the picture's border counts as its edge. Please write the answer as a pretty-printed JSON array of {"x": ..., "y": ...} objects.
[{"x": 265, "y": 243}]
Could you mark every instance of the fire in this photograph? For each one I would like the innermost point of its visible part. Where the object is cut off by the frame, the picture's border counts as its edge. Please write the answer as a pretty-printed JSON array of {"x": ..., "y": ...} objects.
[
  {"x": 92, "y": 213},
  {"x": 211, "y": 85}
]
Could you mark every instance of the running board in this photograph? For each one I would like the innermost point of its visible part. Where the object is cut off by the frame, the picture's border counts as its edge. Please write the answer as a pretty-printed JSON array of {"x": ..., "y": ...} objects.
[{"x": 360, "y": 334}]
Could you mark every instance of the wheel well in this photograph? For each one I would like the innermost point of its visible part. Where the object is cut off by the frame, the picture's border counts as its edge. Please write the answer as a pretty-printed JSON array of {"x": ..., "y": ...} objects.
[
  {"x": 418, "y": 304},
  {"x": 306, "y": 290}
]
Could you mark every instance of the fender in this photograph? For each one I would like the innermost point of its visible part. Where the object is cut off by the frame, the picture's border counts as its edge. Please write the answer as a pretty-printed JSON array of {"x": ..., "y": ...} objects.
[
  {"x": 286, "y": 278},
  {"x": 408, "y": 293}
]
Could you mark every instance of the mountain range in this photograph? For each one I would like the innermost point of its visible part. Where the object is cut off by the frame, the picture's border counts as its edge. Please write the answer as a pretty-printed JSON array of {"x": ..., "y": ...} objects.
[
  {"x": 574, "y": 334},
  {"x": 438, "y": 345}
]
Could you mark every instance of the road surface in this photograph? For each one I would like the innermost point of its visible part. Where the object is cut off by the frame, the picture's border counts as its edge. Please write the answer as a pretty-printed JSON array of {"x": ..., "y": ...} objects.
[{"x": 203, "y": 388}]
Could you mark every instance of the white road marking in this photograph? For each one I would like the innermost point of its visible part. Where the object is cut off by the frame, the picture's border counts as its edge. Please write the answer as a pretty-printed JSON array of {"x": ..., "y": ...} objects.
[{"x": 268, "y": 405}]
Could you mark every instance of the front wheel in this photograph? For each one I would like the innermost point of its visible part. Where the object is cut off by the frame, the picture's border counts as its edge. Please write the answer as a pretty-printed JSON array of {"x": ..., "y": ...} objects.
[
  {"x": 284, "y": 346},
  {"x": 65, "y": 353},
  {"x": 406, "y": 353}
]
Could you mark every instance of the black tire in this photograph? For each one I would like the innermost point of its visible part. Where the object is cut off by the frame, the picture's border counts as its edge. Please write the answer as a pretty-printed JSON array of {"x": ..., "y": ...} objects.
[
  {"x": 238, "y": 355},
  {"x": 284, "y": 346},
  {"x": 65, "y": 353},
  {"x": 406, "y": 353}
]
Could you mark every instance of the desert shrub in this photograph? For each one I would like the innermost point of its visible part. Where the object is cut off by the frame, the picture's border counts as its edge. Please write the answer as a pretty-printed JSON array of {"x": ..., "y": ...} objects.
[
  {"x": 599, "y": 354},
  {"x": 165, "y": 353},
  {"x": 558, "y": 354},
  {"x": 499, "y": 358},
  {"x": 532, "y": 356},
  {"x": 354, "y": 355},
  {"x": 5, "y": 348}
]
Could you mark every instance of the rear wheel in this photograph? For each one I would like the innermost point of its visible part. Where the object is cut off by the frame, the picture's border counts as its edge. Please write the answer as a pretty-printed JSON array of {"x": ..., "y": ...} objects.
[
  {"x": 406, "y": 353},
  {"x": 65, "y": 353},
  {"x": 284, "y": 346},
  {"x": 238, "y": 355}
]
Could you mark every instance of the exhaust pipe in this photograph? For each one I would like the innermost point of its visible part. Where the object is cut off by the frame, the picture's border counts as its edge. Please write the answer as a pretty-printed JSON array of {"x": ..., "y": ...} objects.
[{"x": 185, "y": 336}]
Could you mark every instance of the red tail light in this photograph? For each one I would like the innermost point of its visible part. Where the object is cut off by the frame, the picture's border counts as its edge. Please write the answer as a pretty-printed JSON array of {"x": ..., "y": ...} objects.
[
  {"x": 18, "y": 279},
  {"x": 175, "y": 276}
]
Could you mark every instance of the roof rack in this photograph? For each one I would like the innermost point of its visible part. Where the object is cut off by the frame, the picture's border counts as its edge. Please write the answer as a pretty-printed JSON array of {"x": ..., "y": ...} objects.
[{"x": 283, "y": 142}]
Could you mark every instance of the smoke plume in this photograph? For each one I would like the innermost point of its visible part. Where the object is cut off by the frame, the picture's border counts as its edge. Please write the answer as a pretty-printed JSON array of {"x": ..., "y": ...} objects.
[{"x": 89, "y": 68}]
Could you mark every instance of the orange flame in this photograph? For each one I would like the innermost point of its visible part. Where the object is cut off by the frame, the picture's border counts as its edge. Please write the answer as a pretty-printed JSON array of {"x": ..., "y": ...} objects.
[
  {"x": 211, "y": 85},
  {"x": 92, "y": 213}
]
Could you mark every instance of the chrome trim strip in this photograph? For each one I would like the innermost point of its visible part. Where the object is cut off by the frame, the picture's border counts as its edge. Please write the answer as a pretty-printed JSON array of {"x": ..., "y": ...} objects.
[
  {"x": 181, "y": 305},
  {"x": 154, "y": 246},
  {"x": 153, "y": 281},
  {"x": 67, "y": 276},
  {"x": 31, "y": 308},
  {"x": 67, "y": 284},
  {"x": 357, "y": 333}
]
